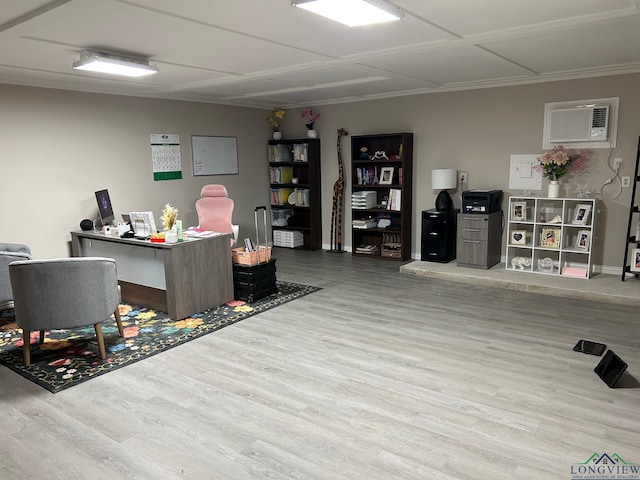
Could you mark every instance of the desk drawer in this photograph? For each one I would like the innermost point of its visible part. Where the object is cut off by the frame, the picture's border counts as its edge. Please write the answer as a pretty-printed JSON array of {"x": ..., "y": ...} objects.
[
  {"x": 477, "y": 221},
  {"x": 472, "y": 233}
]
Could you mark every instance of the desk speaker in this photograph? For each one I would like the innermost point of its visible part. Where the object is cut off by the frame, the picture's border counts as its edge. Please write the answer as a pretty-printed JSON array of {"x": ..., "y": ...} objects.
[{"x": 86, "y": 224}]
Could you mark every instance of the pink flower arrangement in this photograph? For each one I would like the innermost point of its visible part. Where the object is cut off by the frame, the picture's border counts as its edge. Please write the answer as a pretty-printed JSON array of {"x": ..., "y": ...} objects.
[
  {"x": 310, "y": 117},
  {"x": 560, "y": 162}
]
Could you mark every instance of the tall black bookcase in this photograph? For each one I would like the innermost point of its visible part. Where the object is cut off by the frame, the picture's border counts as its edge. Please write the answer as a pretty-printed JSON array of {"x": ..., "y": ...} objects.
[
  {"x": 295, "y": 182},
  {"x": 381, "y": 181}
]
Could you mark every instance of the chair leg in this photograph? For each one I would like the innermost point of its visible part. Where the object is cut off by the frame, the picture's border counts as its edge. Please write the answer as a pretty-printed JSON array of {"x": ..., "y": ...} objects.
[
  {"x": 119, "y": 322},
  {"x": 26, "y": 347},
  {"x": 41, "y": 340},
  {"x": 100, "y": 338}
]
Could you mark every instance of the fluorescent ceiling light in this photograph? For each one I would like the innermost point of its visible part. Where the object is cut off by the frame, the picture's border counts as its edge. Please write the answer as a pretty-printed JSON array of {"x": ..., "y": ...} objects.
[
  {"x": 115, "y": 64},
  {"x": 353, "y": 12}
]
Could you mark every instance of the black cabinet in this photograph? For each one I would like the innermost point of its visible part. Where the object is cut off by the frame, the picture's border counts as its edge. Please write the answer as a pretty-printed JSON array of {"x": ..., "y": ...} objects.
[{"x": 438, "y": 235}]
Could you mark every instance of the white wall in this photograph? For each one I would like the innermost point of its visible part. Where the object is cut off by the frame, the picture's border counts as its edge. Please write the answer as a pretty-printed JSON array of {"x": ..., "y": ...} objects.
[{"x": 58, "y": 147}]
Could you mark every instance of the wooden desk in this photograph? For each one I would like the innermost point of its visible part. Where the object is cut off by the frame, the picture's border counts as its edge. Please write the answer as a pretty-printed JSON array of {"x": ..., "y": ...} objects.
[{"x": 180, "y": 278}]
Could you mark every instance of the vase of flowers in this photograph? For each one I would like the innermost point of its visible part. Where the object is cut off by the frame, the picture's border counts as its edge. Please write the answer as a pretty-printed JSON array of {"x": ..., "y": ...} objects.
[
  {"x": 559, "y": 162},
  {"x": 169, "y": 216},
  {"x": 310, "y": 120},
  {"x": 274, "y": 120}
]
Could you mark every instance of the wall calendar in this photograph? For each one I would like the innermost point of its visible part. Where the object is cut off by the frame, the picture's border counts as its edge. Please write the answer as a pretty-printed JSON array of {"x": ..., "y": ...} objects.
[{"x": 165, "y": 156}]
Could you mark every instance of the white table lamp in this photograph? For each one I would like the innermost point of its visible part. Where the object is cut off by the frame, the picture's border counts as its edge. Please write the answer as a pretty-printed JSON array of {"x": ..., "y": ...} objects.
[{"x": 443, "y": 179}]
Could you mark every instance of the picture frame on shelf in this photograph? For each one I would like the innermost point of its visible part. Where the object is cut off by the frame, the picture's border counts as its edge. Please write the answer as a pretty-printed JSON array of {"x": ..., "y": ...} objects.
[
  {"x": 518, "y": 237},
  {"x": 635, "y": 260},
  {"x": 386, "y": 176},
  {"x": 550, "y": 237},
  {"x": 583, "y": 240},
  {"x": 519, "y": 211},
  {"x": 582, "y": 212}
]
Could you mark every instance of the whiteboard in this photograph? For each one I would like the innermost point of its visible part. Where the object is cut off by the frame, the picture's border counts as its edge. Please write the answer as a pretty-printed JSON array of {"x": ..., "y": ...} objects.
[{"x": 214, "y": 155}]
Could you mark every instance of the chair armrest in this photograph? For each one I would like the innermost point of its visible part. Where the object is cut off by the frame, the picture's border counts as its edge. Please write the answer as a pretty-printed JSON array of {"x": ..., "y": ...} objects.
[
  {"x": 14, "y": 248},
  {"x": 236, "y": 231}
]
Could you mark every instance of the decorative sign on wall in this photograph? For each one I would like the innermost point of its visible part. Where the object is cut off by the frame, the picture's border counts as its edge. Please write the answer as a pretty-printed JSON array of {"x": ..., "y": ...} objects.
[{"x": 165, "y": 155}]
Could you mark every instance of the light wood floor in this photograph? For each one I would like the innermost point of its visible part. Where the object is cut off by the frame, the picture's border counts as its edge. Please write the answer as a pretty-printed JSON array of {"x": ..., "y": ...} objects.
[{"x": 380, "y": 375}]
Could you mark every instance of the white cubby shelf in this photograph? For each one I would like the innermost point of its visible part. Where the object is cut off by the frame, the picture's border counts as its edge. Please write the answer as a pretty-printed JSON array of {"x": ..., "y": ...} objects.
[{"x": 552, "y": 236}]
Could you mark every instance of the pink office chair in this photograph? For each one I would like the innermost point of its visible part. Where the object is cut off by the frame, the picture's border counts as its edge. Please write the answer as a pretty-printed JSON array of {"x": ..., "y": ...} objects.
[{"x": 214, "y": 211}]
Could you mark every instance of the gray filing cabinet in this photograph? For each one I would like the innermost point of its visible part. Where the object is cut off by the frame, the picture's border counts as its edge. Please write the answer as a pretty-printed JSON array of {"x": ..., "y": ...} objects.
[{"x": 479, "y": 239}]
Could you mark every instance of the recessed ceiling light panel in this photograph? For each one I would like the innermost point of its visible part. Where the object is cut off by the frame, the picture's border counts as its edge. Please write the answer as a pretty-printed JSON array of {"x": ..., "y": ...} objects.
[
  {"x": 103, "y": 62},
  {"x": 353, "y": 13}
]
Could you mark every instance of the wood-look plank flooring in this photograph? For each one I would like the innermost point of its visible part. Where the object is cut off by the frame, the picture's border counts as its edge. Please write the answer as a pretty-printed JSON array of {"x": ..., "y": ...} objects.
[{"x": 380, "y": 375}]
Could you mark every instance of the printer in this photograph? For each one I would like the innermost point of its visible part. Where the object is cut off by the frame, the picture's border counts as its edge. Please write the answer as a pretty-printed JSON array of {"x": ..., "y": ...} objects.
[{"x": 481, "y": 201}]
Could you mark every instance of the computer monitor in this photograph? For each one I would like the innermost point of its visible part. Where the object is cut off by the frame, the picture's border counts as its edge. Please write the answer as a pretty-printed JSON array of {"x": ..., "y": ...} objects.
[{"x": 105, "y": 210}]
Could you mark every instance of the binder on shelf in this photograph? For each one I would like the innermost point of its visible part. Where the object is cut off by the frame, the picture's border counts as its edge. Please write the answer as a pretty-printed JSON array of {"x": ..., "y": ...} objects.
[{"x": 280, "y": 174}]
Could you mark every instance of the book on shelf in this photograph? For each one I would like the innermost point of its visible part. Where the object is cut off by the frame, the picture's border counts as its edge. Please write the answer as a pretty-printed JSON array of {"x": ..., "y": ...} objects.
[
  {"x": 367, "y": 175},
  {"x": 395, "y": 199},
  {"x": 574, "y": 272},
  {"x": 367, "y": 249},
  {"x": 279, "y": 153},
  {"x": 302, "y": 197},
  {"x": 364, "y": 223},
  {"x": 300, "y": 152},
  {"x": 280, "y": 196}
]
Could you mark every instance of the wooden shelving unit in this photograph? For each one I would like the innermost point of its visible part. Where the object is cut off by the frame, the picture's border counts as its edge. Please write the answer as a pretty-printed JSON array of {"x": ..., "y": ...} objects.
[
  {"x": 552, "y": 236},
  {"x": 295, "y": 181},
  {"x": 382, "y": 164}
]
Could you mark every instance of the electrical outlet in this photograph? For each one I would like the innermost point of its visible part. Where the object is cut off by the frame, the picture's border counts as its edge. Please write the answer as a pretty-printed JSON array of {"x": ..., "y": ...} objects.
[
  {"x": 626, "y": 181},
  {"x": 617, "y": 163},
  {"x": 462, "y": 177}
]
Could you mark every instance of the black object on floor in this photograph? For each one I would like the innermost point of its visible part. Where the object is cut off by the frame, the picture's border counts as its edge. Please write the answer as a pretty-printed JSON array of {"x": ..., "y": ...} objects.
[
  {"x": 610, "y": 368},
  {"x": 253, "y": 282},
  {"x": 592, "y": 348}
]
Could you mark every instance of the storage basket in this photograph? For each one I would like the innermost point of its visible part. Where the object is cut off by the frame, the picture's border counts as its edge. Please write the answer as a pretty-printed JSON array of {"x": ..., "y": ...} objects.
[{"x": 242, "y": 257}]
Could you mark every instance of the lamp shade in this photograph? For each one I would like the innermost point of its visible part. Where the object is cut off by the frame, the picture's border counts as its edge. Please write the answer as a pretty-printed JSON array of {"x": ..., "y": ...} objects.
[{"x": 444, "y": 178}]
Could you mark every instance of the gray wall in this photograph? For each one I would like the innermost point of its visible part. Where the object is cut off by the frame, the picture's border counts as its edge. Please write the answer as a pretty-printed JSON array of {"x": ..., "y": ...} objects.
[
  {"x": 58, "y": 147},
  {"x": 477, "y": 131}
]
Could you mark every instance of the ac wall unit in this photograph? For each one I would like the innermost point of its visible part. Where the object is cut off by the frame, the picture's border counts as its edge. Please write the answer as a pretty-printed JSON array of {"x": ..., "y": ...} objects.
[{"x": 579, "y": 124}]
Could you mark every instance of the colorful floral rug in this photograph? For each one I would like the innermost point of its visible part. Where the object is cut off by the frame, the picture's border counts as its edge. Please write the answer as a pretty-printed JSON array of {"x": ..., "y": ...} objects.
[{"x": 70, "y": 357}]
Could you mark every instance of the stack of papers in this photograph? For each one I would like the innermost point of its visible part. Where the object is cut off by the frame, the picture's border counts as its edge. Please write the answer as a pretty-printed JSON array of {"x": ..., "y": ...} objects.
[
  {"x": 364, "y": 223},
  {"x": 195, "y": 232}
]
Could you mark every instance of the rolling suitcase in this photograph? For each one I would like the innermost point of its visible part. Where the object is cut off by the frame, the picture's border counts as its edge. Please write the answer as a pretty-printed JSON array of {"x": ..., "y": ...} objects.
[{"x": 254, "y": 272}]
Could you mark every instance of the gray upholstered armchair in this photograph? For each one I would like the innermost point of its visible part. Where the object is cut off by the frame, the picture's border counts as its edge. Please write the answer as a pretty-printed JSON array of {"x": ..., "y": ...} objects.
[
  {"x": 64, "y": 293},
  {"x": 10, "y": 252}
]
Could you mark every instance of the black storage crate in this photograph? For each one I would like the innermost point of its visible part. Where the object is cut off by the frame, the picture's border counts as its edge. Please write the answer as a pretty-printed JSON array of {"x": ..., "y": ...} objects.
[{"x": 253, "y": 282}]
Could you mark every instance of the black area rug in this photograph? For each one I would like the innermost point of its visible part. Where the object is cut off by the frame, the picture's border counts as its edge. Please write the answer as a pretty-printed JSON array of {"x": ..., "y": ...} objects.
[{"x": 70, "y": 357}]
